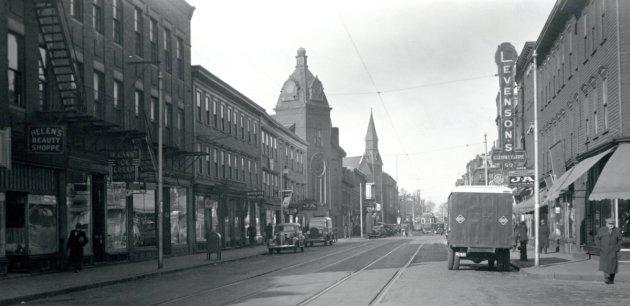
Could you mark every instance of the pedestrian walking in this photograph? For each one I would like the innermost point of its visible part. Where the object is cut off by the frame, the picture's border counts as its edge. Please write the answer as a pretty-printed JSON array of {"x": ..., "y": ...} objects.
[
  {"x": 543, "y": 237},
  {"x": 608, "y": 241},
  {"x": 76, "y": 241},
  {"x": 522, "y": 239},
  {"x": 251, "y": 234},
  {"x": 268, "y": 232}
]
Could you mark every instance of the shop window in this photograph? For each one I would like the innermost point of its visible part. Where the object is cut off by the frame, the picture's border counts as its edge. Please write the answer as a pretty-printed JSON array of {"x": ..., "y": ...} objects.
[
  {"x": 42, "y": 224},
  {"x": 178, "y": 215},
  {"x": 116, "y": 217},
  {"x": 144, "y": 226}
]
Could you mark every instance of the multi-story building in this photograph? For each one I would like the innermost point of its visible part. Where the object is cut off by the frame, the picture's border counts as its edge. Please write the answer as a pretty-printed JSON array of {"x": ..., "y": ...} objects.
[
  {"x": 82, "y": 104},
  {"x": 284, "y": 170},
  {"x": 227, "y": 169},
  {"x": 303, "y": 106},
  {"x": 583, "y": 92}
]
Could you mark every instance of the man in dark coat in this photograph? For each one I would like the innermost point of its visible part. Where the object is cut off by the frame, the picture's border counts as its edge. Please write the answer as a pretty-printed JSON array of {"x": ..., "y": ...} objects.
[
  {"x": 76, "y": 241},
  {"x": 251, "y": 234},
  {"x": 608, "y": 240},
  {"x": 522, "y": 239},
  {"x": 543, "y": 237},
  {"x": 268, "y": 232}
]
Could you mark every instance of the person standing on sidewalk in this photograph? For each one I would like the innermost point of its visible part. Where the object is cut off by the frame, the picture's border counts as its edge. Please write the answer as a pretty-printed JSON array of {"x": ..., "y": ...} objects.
[
  {"x": 251, "y": 234},
  {"x": 522, "y": 239},
  {"x": 76, "y": 241},
  {"x": 543, "y": 237},
  {"x": 268, "y": 232},
  {"x": 608, "y": 240}
]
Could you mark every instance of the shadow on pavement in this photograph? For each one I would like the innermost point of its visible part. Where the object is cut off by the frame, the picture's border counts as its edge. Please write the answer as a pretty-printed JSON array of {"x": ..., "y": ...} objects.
[{"x": 546, "y": 261}]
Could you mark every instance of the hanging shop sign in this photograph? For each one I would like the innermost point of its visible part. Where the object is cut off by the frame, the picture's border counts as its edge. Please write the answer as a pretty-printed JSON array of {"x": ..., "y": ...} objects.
[
  {"x": 46, "y": 139},
  {"x": 124, "y": 165},
  {"x": 309, "y": 204},
  {"x": 505, "y": 58},
  {"x": 523, "y": 178}
]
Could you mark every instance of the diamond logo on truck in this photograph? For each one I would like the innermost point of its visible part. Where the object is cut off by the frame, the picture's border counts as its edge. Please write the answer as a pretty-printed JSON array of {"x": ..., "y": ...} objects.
[
  {"x": 460, "y": 219},
  {"x": 503, "y": 220}
]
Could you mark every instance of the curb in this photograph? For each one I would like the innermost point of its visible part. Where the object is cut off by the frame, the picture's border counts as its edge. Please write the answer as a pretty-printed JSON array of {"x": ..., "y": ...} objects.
[
  {"x": 569, "y": 277},
  {"x": 35, "y": 296}
]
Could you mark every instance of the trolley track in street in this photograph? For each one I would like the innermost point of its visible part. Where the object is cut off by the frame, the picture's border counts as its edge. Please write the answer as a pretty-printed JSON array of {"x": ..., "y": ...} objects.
[{"x": 366, "y": 248}]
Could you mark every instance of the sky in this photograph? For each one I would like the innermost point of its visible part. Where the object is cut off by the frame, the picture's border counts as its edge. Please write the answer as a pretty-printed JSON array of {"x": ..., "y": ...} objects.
[{"x": 424, "y": 68}]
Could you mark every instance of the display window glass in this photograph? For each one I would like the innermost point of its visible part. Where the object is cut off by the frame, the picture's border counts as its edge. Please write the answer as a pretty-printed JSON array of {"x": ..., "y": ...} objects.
[
  {"x": 144, "y": 222},
  {"x": 200, "y": 219},
  {"x": 79, "y": 202},
  {"x": 42, "y": 224},
  {"x": 178, "y": 215},
  {"x": 116, "y": 217}
]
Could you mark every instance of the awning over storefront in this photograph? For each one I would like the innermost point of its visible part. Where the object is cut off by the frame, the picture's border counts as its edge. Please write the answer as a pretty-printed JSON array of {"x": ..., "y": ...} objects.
[
  {"x": 613, "y": 181},
  {"x": 573, "y": 174},
  {"x": 528, "y": 205}
]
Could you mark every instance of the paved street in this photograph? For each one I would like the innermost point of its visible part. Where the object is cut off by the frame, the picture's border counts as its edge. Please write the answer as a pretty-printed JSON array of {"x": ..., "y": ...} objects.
[{"x": 390, "y": 271}]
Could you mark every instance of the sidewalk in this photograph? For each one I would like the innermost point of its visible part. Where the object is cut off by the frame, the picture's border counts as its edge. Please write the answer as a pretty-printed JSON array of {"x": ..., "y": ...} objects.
[
  {"x": 16, "y": 288},
  {"x": 562, "y": 266}
]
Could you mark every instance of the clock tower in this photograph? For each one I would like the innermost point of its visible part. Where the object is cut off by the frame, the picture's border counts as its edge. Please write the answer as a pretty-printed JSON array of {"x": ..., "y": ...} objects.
[{"x": 303, "y": 105}]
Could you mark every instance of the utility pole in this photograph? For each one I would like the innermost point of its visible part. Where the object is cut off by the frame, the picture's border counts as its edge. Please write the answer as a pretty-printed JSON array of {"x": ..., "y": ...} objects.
[
  {"x": 536, "y": 178},
  {"x": 485, "y": 156},
  {"x": 160, "y": 173},
  {"x": 361, "y": 207}
]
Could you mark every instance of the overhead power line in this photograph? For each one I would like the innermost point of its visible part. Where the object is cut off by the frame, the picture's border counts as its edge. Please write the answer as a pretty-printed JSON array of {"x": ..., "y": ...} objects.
[{"x": 378, "y": 93}]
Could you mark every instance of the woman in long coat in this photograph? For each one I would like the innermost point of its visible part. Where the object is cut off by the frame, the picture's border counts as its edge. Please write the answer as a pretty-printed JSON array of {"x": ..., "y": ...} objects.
[{"x": 608, "y": 240}]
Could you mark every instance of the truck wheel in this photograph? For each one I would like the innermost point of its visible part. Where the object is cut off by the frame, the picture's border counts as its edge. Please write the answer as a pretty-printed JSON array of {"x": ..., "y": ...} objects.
[
  {"x": 455, "y": 262},
  {"x": 503, "y": 261},
  {"x": 491, "y": 263},
  {"x": 450, "y": 255}
]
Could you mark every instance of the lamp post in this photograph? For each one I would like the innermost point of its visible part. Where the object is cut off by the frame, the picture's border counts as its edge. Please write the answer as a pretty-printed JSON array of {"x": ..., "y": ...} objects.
[
  {"x": 160, "y": 234},
  {"x": 536, "y": 187}
]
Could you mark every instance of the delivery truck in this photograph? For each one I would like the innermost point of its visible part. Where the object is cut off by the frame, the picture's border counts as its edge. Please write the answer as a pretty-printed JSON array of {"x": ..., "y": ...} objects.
[{"x": 480, "y": 226}]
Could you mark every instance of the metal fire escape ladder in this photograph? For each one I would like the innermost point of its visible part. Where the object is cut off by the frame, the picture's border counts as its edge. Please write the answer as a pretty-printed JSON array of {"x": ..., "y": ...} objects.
[
  {"x": 61, "y": 54},
  {"x": 149, "y": 141}
]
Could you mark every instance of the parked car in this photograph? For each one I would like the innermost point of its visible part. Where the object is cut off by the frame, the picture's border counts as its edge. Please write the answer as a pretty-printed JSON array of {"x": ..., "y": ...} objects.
[
  {"x": 320, "y": 229},
  {"x": 288, "y": 236}
]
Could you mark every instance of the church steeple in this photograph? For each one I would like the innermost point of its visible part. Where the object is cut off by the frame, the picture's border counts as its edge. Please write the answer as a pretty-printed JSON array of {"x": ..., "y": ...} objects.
[{"x": 371, "y": 144}]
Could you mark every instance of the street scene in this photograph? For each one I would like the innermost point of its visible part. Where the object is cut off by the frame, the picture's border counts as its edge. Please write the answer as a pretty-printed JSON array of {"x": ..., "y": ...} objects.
[{"x": 290, "y": 152}]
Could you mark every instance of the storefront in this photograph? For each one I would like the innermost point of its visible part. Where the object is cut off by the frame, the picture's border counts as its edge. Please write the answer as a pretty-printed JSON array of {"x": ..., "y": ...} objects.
[{"x": 31, "y": 209}]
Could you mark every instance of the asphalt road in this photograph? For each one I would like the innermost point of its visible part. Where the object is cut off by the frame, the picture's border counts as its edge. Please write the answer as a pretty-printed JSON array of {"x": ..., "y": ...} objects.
[{"x": 389, "y": 271}]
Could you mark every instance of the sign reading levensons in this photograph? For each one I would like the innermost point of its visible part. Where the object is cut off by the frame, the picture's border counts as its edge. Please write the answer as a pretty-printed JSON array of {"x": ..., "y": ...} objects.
[
  {"x": 506, "y": 60},
  {"x": 46, "y": 139}
]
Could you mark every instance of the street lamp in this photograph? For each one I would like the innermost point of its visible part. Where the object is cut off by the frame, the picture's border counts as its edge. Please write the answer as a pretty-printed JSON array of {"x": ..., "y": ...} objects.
[{"x": 160, "y": 242}]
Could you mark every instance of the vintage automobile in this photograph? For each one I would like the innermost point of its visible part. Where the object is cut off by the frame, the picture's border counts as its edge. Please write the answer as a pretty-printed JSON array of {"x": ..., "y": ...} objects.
[
  {"x": 320, "y": 229},
  {"x": 288, "y": 236}
]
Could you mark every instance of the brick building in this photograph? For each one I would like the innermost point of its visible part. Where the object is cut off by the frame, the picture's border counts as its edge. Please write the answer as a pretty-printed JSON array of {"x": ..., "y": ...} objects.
[
  {"x": 82, "y": 106},
  {"x": 583, "y": 97}
]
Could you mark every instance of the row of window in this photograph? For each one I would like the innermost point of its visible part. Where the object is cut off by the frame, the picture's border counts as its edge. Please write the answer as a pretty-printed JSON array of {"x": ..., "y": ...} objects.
[
  {"x": 561, "y": 63},
  {"x": 225, "y": 118},
  {"x": 588, "y": 116},
  {"x": 76, "y": 11},
  {"x": 227, "y": 165}
]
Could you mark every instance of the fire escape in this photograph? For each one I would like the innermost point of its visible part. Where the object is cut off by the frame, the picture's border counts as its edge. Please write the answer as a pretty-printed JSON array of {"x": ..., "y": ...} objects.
[{"x": 70, "y": 106}]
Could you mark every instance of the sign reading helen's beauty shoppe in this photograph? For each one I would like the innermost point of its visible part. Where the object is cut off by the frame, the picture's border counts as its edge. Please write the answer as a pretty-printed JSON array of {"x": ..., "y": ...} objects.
[{"x": 49, "y": 139}]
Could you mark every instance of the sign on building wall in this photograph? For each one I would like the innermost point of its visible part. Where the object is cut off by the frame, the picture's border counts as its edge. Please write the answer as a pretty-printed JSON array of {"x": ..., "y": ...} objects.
[
  {"x": 505, "y": 59},
  {"x": 124, "y": 165},
  {"x": 46, "y": 139}
]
